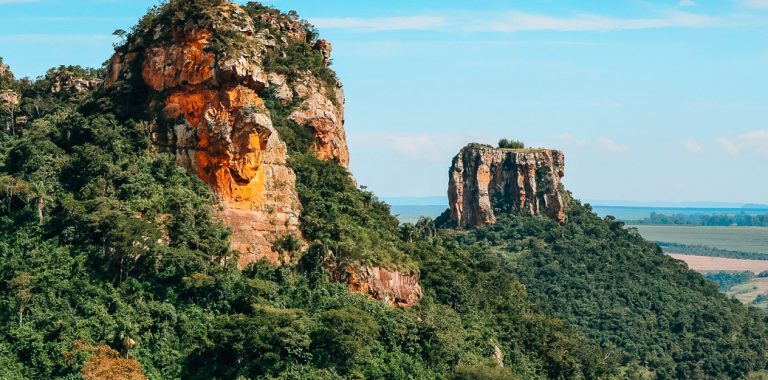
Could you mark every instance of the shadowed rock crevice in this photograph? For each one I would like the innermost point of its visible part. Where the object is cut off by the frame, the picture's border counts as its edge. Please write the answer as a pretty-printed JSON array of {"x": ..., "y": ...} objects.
[{"x": 485, "y": 180}]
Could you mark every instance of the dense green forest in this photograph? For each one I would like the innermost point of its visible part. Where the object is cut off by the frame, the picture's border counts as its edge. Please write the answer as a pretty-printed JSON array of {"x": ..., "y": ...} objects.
[
  {"x": 727, "y": 280},
  {"x": 701, "y": 250},
  {"x": 643, "y": 308},
  {"x": 741, "y": 219},
  {"x": 105, "y": 242},
  {"x": 111, "y": 259}
]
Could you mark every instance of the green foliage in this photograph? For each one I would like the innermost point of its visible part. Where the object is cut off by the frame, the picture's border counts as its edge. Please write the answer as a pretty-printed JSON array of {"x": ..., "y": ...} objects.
[
  {"x": 346, "y": 336},
  {"x": 511, "y": 144},
  {"x": 251, "y": 346},
  {"x": 484, "y": 373},
  {"x": 297, "y": 58},
  {"x": 128, "y": 248},
  {"x": 700, "y": 250},
  {"x": 639, "y": 305},
  {"x": 727, "y": 280},
  {"x": 741, "y": 219},
  {"x": 105, "y": 241},
  {"x": 341, "y": 220},
  {"x": 185, "y": 15}
]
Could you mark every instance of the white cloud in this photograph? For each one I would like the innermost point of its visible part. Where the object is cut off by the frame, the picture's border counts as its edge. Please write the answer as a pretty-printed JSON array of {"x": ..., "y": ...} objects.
[
  {"x": 521, "y": 21},
  {"x": 755, "y": 4},
  {"x": 692, "y": 146},
  {"x": 568, "y": 138},
  {"x": 516, "y": 21},
  {"x": 686, "y": 3},
  {"x": 755, "y": 142},
  {"x": 54, "y": 37},
  {"x": 610, "y": 145},
  {"x": 382, "y": 23},
  {"x": 729, "y": 146},
  {"x": 431, "y": 147}
]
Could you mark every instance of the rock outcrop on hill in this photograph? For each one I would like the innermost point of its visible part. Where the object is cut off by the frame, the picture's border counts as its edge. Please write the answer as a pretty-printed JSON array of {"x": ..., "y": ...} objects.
[
  {"x": 9, "y": 99},
  {"x": 215, "y": 122},
  {"x": 518, "y": 181},
  {"x": 69, "y": 80},
  {"x": 5, "y": 70},
  {"x": 208, "y": 82},
  {"x": 396, "y": 288},
  {"x": 324, "y": 114}
]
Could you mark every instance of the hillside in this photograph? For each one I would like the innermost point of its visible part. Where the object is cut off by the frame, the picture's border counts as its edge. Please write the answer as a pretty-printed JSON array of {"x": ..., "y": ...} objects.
[{"x": 186, "y": 212}]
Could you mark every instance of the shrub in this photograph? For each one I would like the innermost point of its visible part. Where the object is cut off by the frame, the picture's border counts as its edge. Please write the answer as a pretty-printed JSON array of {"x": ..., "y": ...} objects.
[{"x": 511, "y": 144}]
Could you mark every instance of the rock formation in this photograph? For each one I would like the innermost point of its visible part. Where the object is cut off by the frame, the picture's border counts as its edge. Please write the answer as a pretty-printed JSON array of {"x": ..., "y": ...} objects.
[
  {"x": 10, "y": 99},
  {"x": 208, "y": 79},
  {"x": 324, "y": 114},
  {"x": 519, "y": 181},
  {"x": 69, "y": 80},
  {"x": 215, "y": 122},
  {"x": 4, "y": 69},
  {"x": 393, "y": 287},
  {"x": 325, "y": 49}
]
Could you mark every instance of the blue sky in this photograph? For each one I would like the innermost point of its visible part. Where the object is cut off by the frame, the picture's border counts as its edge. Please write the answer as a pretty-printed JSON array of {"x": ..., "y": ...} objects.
[{"x": 651, "y": 100}]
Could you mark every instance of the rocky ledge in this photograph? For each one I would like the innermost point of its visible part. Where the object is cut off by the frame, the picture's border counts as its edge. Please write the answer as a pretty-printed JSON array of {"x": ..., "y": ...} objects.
[
  {"x": 397, "y": 288},
  {"x": 518, "y": 181},
  {"x": 214, "y": 120}
]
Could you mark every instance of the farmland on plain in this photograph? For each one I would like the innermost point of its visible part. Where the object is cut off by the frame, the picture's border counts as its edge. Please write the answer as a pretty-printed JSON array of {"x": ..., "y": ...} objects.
[{"x": 747, "y": 239}]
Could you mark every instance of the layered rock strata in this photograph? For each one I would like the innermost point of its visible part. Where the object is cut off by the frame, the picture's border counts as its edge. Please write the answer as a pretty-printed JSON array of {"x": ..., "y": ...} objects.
[
  {"x": 322, "y": 110},
  {"x": 208, "y": 81},
  {"x": 394, "y": 287},
  {"x": 518, "y": 181},
  {"x": 10, "y": 99},
  {"x": 216, "y": 124},
  {"x": 64, "y": 80},
  {"x": 5, "y": 70}
]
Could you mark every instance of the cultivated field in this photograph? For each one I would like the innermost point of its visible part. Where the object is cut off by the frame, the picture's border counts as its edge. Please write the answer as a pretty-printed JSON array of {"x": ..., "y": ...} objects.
[
  {"x": 712, "y": 264},
  {"x": 746, "y": 293},
  {"x": 747, "y": 239}
]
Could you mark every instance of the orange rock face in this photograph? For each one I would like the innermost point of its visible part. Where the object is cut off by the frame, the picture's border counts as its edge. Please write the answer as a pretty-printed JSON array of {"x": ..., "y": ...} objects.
[
  {"x": 393, "y": 287},
  {"x": 523, "y": 182},
  {"x": 203, "y": 77},
  {"x": 183, "y": 63},
  {"x": 218, "y": 127},
  {"x": 322, "y": 110}
]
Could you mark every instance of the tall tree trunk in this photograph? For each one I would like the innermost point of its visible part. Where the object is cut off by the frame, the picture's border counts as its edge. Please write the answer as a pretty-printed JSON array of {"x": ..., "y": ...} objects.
[
  {"x": 13, "y": 122},
  {"x": 40, "y": 207}
]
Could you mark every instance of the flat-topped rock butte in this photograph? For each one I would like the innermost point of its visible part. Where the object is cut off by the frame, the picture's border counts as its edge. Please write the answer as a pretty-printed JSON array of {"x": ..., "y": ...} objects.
[{"x": 521, "y": 181}]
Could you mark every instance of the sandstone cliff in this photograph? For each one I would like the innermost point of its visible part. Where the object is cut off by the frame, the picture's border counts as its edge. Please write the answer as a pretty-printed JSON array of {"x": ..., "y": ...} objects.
[
  {"x": 215, "y": 122},
  {"x": 72, "y": 79},
  {"x": 223, "y": 83},
  {"x": 518, "y": 181},
  {"x": 8, "y": 98},
  {"x": 5, "y": 71},
  {"x": 396, "y": 288}
]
